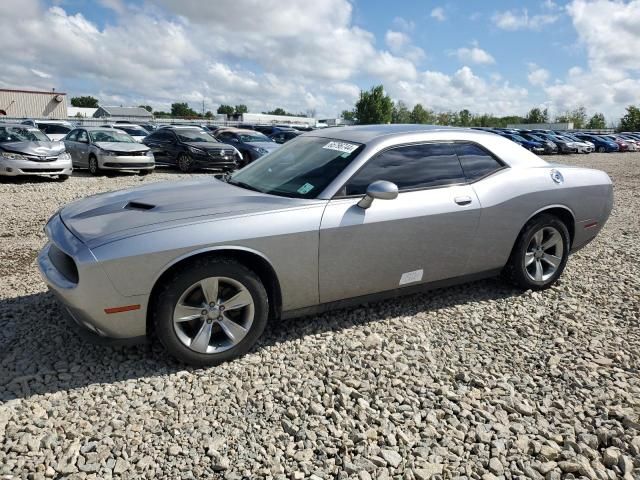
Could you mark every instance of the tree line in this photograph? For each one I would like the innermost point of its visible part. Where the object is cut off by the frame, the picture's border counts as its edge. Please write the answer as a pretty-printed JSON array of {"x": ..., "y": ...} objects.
[{"x": 375, "y": 106}]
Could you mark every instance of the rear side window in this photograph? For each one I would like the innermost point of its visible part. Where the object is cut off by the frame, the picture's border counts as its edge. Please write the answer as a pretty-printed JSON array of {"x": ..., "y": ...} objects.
[
  {"x": 476, "y": 162},
  {"x": 54, "y": 128},
  {"x": 410, "y": 167}
]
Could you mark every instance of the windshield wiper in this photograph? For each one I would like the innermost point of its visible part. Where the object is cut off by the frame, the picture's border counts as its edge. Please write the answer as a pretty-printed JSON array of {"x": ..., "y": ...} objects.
[{"x": 244, "y": 185}]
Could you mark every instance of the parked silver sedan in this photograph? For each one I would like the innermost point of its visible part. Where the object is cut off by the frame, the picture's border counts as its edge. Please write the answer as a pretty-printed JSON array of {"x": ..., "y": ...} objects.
[
  {"x": 105, "y": 148},
  {"x": 332, "y": 218},
  {"x": 25, "y": 150}
]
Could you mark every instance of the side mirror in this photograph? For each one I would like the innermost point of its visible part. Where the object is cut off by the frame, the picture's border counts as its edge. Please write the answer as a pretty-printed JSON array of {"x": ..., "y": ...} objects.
[{"x": 380, "y": 189}]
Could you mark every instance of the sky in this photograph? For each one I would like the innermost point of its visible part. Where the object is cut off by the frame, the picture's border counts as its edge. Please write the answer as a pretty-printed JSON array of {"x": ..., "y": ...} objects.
[{"x": 492, "y": 56}]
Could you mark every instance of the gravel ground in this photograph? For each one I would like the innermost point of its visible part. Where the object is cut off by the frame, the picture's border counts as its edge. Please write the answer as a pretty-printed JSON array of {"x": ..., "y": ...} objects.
[{"x": 475, "y": 381}]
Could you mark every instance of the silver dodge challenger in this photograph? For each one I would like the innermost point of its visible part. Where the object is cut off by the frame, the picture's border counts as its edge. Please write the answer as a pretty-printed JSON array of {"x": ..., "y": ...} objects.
[{"x": 334, "y": 217}]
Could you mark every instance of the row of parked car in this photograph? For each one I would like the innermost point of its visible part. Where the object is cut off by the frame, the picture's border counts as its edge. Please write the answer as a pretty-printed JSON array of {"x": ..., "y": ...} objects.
[
  {"x": 37, "y": 148},
  {"x": 551, "y": 142}
]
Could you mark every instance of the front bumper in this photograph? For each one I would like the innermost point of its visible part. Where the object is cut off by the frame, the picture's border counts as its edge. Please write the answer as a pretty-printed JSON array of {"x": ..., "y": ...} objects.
[
  {"x": 89, "y": 296},
  {"x": 126, "y": 162},
  {"x": 215, "y": 162},
  {"x": 13, "y": 168}
]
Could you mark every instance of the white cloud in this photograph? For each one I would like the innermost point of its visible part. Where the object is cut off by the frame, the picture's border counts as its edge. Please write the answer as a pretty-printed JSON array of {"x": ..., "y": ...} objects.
[
  {"x": 396, "y": 40},
  {"x": 403, "y": 24},
  {"x": 474, "y": 54},
  {"x": 537, "y": 76},
  {"x": 439, "y": 14},
  {"x": 399, "y": 43},
  {"x": 40, "y": 73},
  {"x": 609, "y": 33},
  {"x": 521, "y": 20}
]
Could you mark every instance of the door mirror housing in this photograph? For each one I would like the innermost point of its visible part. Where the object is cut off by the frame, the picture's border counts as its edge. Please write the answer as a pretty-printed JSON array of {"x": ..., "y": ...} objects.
[{"x": 380, "y": 189}]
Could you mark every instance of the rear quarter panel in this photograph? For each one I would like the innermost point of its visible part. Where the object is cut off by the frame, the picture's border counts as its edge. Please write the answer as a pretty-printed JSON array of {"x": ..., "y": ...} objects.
[{"x": 513, "y": 196}]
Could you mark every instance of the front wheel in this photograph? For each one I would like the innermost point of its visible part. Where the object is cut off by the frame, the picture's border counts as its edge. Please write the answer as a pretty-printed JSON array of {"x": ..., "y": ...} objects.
[
  {"x": 210, "y": 311},
  {"x": 185, "y": 163},
  {"x": 63, "y": 177},
  {"x": 143, "y": 173},
  {"x": 94, "y": 168},
  {"x": 602, "y": 149},
  {"x": 540, "y": 254}
]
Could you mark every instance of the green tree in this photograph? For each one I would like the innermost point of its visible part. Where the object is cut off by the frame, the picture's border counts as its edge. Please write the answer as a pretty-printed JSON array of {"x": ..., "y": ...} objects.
[
  {"x": 630, "y": 122},
  {"x": 400, "y": 113},
  {"x": 348, "y": 115},
  {"x": 420, "y": 115},
  {"x": 597, "y": 121},
  {"x": 225, "y": 110},
  {"x": 464, "y": 118},
  {"x": 182, "y": 110},
  {"x": 374, "y": 106},
  {"x": 577, "y": 116},
  {"x": 209, "y": 114},
  {"x": 146, "y": 107},
  {"x": 241, "y": 109},
  {"x": 536, "y": 115},
  {"x": 278, "y": 111},
  {"x": 84, "y": 102}
]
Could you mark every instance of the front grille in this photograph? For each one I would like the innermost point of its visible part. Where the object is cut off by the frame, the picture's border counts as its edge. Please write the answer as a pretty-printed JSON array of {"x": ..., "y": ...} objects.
[
  {"x": 64, "y": 263},
  {"x": 37, "y": 158},
  {"x": 127, "y": 165},
  {"x": 218, "y": 155},
  {"x": 132, "y": 154},
  {"x": 42, "y": 170}
]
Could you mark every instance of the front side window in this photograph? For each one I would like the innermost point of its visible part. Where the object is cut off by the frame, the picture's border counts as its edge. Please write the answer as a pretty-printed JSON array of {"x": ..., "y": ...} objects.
[
  {"x": 410, "y": 167},
  {"x": 72, "y": 136},
  {"x": 300, "y": 169},
  {"x": 476, "y": 162},
  {"x": 83, "y": 137}
]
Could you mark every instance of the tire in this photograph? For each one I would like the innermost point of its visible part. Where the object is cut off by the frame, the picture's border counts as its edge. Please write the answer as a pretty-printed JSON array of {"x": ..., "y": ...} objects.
[
  {"x": 145, "y": 172},
  {"x": 246, "y": 159},
  {"x": 533, "y": 268},
  {"x": 601, "y": 149},
  {"x": 204, "y": 339},
  {"x": 185, "y": 163},
  {"x": 63, "y": 178},
  {"x": 94, "y": 168}
]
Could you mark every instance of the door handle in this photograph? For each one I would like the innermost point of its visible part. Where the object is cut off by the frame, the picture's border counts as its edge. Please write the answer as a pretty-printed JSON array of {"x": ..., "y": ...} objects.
[{"x": 462, "y": 200}]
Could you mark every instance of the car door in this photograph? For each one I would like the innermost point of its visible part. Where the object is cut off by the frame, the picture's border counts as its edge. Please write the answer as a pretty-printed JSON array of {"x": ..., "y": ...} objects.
[
  {"x": 70, "y": 146},
  {"x": 159, "y": 143},
  {"x": 82, "y": 148},
  {"x": 423, "y": 235}
]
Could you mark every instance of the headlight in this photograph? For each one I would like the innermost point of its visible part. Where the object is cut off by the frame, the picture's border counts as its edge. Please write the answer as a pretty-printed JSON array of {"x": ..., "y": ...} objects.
[
  {"x": 149, "y": 153},
  {"x": 13, "y": 156},
  {"x": 197, "y": 151},
  {"x": 261, "y": 150},
  {"x": 64, "y": 156},
  {"x": 108, "y": 153}
]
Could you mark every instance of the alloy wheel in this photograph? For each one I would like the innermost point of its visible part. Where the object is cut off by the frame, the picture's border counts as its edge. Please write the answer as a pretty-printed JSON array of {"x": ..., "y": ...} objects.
[
  {"x": 185, "y": 163},
  {"x": 213, "y": 315},
  {"x": 93, "y": 165},
  {"x": 543, "y": 255}
]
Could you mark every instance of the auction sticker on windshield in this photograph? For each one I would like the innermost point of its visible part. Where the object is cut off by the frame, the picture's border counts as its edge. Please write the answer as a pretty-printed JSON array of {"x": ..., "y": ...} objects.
[
  {"x": 341, "y": 147},
  {"x": 306, "y": 188}
]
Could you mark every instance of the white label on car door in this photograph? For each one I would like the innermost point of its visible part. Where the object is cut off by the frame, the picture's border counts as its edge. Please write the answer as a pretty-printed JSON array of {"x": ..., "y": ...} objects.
[
  {"x": 410, "y": 277},
  {"x": 341, "y": 147}
]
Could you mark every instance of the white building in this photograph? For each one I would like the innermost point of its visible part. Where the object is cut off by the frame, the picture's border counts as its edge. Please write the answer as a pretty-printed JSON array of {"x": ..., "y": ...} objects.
[
  {"x": 263, "y": 118},
  {"x": 32, "y": 104},
  {"x": 78, "y": 112}
]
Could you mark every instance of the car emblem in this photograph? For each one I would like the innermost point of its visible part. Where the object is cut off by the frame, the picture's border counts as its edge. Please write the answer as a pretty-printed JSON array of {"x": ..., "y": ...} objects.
[
  {"x": 556, "y": 176},
  {"x": 221, "y": 152}
]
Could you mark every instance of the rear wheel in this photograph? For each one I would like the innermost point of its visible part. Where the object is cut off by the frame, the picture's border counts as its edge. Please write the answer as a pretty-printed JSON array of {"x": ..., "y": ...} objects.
[
  {"x": 601, "y": 149},
  {"x": 185, "y": 163},
  {"x": 540, "y": 254},
  {"x": 94, "y": 168},
  {"x": 63, "y": 178},
  {"x": 210, "y": 311}
]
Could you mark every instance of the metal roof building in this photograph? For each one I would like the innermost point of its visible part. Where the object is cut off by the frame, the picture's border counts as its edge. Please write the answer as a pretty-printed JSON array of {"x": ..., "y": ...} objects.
[
  {"x": 138, "y": 113},
  {"x": 32, "y": 104}
]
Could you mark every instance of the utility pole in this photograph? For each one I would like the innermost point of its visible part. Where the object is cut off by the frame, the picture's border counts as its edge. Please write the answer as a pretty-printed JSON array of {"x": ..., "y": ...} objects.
[{"x": 203, "y": 107}]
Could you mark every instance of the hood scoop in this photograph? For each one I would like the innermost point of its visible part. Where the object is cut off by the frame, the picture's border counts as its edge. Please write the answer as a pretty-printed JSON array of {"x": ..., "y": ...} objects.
[{"x": 139, "y": 206}]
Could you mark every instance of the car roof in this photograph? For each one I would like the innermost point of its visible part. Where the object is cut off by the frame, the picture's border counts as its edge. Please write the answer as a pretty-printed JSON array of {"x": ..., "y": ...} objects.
[
  {"x": 92, "y": 128},
  {"x": 368, "y": 133},
  {"x": 13, "y": 124}
]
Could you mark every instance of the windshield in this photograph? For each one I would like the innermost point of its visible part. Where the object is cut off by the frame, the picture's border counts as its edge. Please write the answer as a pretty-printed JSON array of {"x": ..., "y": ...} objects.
[
  {"x": 195, "y": 135},
  {"x": 22, "y": 134},
  {"x": 519, "y": 138},
  {"x": 138, "y": 131},
  {"x": 301, "y": 168},
  {"x": 110, "y": 136},
  {"x": 253, "y": 137}
]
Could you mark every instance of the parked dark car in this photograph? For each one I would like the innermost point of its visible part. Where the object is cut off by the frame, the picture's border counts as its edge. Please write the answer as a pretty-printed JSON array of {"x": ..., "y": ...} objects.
[
  {"x": 602, "y": 144},
  {"x": 550, "y": 148},
  {"x": 530, "y": 145},
  {"x": 252, "y": 144},
  {"x": 191, "y": 148},
  {"x": 564, "y": 145},
  {"x": 283, "y": 137},
  {"x": 271, "y": 129}
]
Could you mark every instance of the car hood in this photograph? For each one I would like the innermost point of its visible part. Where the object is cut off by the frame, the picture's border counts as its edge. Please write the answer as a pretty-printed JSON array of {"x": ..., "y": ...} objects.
[
  {"x": 269, "y": 146},
  {"x": 43, "y": 149},
  {"x": 122, "y": 147},
  {"x": 107, "y": 217}
]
